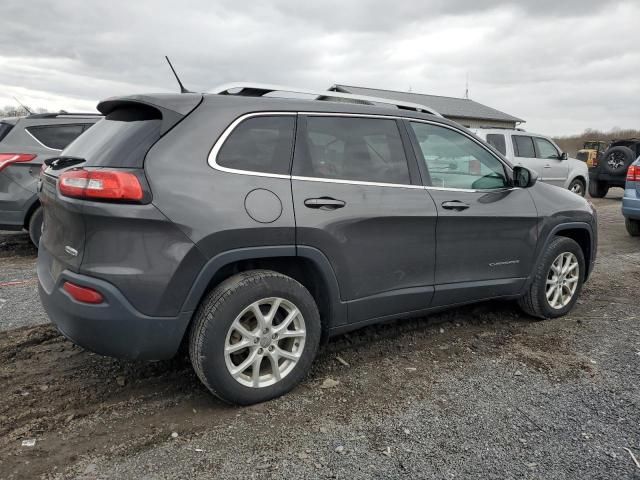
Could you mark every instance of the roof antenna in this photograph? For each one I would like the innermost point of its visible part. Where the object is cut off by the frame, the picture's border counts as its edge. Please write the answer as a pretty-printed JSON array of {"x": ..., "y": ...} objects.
[
  {"x": 23, "y": 106},
  {"x": 182, "y": 89}
]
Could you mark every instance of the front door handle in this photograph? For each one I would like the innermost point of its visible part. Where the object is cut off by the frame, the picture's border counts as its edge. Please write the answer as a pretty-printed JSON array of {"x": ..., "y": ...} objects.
[
  {"x": 547, "y": 165},
  {"x": 324, "y": 203},
  {"x": 456, "y": 205}
]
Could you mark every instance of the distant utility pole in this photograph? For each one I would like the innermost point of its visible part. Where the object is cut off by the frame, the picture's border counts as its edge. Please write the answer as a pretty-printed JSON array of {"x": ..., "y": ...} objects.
[{"x": 466, "y": 90}]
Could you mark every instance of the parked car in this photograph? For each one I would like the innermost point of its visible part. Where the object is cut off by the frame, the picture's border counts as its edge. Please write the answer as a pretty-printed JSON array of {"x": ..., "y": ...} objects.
[
  {"x": 631, "y": 199},
  {"x": 540, "y": 154},
  {"x": 592, "y": 151},
  {"x": 611, "y": 170},
  {"x": 25, "y": 143},
  {"x": 252, "y": 227}
]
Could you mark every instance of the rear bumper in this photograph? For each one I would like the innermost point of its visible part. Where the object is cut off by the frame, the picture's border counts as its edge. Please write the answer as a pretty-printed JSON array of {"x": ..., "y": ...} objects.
[
  {"x": 613, "y": 180},
  {"x": 113, "y": 328}
]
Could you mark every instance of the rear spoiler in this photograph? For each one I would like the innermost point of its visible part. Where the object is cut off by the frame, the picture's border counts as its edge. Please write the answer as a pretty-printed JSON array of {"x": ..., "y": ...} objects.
[{"x": 173, "y": 107}]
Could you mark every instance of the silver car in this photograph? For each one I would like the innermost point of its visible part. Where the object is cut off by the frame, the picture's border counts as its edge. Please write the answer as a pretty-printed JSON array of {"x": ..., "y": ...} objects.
[
  {"x": 25, "y": 143},
  {"x": 540, "y": 154}
]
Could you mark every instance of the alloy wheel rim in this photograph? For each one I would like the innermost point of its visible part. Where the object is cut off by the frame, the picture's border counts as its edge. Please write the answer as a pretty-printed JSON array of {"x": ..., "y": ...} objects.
[
  {"x": 615, "y": 161},
  {"x": 265, "y": 342},
  {"x": 562, "y": 280},
  {"x": 576, "y": 188}
]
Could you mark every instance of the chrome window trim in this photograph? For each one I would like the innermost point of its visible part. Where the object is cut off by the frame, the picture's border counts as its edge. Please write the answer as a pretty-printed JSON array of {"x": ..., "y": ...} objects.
[
  {"x": 211, "y": 160},
  {"x": 355, "y": 182}
]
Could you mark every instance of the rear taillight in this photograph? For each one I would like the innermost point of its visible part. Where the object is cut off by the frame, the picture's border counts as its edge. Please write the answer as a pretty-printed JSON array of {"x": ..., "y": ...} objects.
[
  {"x": 101, "y": 185},
  {"x": 633, "y": 174},
  {"x": 83, "y": 294},
  {"x": 7, "y": 159}
]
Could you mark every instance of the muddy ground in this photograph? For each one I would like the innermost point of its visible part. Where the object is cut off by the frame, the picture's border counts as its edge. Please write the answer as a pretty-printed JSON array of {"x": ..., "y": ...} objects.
[{"x": 476, "y": 392}]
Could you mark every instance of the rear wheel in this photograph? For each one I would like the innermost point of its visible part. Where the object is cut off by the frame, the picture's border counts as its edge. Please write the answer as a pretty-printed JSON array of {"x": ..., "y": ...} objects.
[
  {"x": 633, "y": 226},
  {"x": 557, "y": 281},
  {"x": 35, "y": 226},
  {"x": 577, "y": 186},
  {"x": 254, "y": 337},
  {"x": 598, "y": 189}
]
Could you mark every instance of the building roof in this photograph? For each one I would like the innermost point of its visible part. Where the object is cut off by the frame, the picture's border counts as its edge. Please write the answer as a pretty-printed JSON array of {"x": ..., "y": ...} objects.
[{"x": 447, "y": 106}]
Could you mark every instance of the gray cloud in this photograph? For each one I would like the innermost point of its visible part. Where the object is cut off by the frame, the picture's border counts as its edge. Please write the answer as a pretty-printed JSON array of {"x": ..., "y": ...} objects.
[{"x": 555, "y": 63}]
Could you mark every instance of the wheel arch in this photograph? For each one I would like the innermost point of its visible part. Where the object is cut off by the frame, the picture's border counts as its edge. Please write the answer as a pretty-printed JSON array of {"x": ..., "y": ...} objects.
[
  {"x": 582, "y": 234},
  {"x": 307, "y": 265},
  {"x": 30, "y": 211}
]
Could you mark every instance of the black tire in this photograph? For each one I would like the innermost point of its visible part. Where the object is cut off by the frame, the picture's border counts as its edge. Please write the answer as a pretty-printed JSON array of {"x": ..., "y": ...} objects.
[
  {"x": 598, "y": 189},
  {"x": 578, "y": 187},
  {"x": 35, "y": 226},
  {"x": 215, "y": 316},
  {"x": 633, "y": 226},
  {"x": 535, "y": 302},
  {"x": 616, "y": 160}
]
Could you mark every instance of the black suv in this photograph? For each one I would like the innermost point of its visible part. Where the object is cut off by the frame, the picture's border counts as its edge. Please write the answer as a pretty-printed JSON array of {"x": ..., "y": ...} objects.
[
  {"x": 611, "y": 170},
  {"x": 25, "y": 143},
  {"x": 251, "y": 227}
]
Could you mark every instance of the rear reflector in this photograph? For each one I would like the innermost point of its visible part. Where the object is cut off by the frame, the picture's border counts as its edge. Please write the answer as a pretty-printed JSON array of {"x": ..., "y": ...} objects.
[
  {"x": 7, "y": 159},
  {"x": 101, "y": 185},
  {"x": 83, "y": 294},
  {"x": 633, "y": 174}
]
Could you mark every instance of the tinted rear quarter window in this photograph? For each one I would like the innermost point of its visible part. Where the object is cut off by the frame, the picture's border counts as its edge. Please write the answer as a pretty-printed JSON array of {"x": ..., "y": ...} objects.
[
  {"x": 360, "y": 149},
  {"x": 260, "y": 144},
  {"x": 523, "y": 146},
  {"x": 56, "y": 137},
  {"x": 5, "y": 128},
  {"x": 496, "y": 140}
]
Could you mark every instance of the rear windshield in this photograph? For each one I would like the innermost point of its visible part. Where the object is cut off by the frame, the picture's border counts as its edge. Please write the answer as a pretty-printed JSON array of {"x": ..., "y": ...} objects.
[
  {"x": 4, "y": 129},
  {"x": 121, "y": 139}
]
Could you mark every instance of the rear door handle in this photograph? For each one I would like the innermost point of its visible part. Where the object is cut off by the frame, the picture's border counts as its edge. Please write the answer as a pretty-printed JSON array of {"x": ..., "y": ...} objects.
[
  {"x": 455, "y": 205},
  {"x": 547, "y": 166},
  {"x": 324, "y": 203}
]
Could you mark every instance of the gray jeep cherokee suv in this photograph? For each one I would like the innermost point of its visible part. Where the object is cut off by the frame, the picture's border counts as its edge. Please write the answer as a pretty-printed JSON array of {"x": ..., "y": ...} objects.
[
  {"x": 25, "y": 143},
  {"x": 252, "y": 227}
]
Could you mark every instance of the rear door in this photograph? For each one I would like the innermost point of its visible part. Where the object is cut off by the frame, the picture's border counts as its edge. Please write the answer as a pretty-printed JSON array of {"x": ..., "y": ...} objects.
[
  {"x": 555, "y": 170},
  {"x": 358, "y": 200},
  {"x": 486, "y": 231}
]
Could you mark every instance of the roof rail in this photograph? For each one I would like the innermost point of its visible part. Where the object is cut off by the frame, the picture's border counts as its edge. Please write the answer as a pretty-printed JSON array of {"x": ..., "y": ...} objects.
[
  {"x": 261, "y": 89},
  {"x": 64, "y": 115}
]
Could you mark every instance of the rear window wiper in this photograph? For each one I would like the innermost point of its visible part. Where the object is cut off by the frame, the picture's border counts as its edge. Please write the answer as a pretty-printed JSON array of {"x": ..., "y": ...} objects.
[{"x": 56, "y": 163}]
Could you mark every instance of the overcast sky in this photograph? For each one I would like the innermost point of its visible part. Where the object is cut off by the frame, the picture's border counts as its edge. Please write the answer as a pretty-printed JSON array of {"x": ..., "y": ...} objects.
[{"x": 562, "y": 65}]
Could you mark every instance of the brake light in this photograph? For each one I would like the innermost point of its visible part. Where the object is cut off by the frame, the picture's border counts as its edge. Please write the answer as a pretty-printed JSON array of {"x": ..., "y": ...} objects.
[
  {"x": 101, "y": 185},
  {"x": 633, "y": 174},
  {"x": 83, "y": 294},
  {"x": 7, "y": 159}
]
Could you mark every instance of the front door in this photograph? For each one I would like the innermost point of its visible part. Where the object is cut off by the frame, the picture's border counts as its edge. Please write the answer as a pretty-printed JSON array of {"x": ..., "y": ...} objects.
[
  {"x": 555, "y": 170},
  {"x": 487, "y": 231},
  {"x": 359, "y": 201}
]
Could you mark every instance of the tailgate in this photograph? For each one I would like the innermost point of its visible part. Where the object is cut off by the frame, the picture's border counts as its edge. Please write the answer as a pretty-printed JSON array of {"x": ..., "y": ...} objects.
[{"x": 63, "y": 229}]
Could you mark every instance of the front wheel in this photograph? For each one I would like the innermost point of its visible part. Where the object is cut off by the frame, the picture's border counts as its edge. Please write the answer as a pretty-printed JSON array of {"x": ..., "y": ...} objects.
[
  {"x": 577, "y": 186},
  {"x": 254, "y": 337},
  {"x": 557, "y": 280}
]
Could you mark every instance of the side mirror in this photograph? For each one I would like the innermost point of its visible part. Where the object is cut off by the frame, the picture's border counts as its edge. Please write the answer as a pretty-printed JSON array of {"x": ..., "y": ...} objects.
[
  {"x": 564, "y": 156},
  {"x": 523, "y": 177}
]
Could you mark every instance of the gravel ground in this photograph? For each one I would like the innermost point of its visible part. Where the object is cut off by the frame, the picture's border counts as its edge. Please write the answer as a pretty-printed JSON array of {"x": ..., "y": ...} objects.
[{"x": 476, "y": 392}]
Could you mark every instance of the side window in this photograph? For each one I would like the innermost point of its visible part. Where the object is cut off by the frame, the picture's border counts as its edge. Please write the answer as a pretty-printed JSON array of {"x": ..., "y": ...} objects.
[
  {"x": 496, "y": 140},
  {"x": 260, "y": 144},
  {"x": 56, "y": 137},
  {"x": 456, "y": 161},
  {"x": 545, "y": 148},
  {"x": 523, "y": 146},
  {"x": 4, "y": 129},
  {"x": 361, "y": 149}
]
